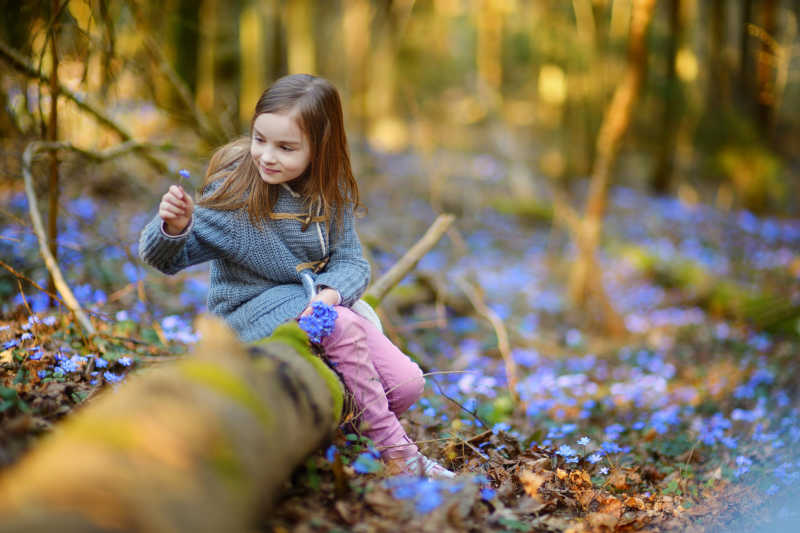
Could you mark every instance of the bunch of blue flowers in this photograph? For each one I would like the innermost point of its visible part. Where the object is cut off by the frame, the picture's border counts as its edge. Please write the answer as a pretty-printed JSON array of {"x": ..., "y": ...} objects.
[{"x": 319, "y": 324}]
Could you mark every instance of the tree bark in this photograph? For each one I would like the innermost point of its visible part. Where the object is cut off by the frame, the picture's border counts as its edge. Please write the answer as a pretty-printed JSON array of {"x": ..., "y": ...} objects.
[
  {"x": 662, "y": 177},
  {"x": 204, "y": 444},
  {"x": 585, "y": 277}
]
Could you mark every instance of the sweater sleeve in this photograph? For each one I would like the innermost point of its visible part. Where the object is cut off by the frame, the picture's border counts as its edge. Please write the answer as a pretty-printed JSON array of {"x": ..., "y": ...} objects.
[
  {"x": 347, "y": 270},
  {"x": 206, "y": 238}
]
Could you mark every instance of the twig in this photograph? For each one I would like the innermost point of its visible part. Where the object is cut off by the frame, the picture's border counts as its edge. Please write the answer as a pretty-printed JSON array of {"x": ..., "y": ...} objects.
[
  {"x": 385, "y": 283},
  {"x": 16, "y": 60},
  {"x": 29, "y": 280},
  {"x": 503, "y": 343},
  {"x": 472, "y": 413},
  {"x": 58, "y": 278},
  {"x": 199, "y": 118}
]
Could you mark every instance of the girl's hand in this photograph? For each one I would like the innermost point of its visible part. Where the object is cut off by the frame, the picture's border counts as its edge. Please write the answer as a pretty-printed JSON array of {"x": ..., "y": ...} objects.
[
  {"x": 175, "y": 210},
  {"x": 328, "y": 296}
]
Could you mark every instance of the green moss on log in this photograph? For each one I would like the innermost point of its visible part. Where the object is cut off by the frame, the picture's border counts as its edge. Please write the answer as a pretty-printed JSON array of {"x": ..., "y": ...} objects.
[
  {"x": 227, "y": 384},
  {"x": 292, "y": 335}
]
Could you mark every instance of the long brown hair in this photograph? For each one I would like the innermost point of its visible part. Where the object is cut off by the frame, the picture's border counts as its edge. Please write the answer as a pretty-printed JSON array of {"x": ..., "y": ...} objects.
[{"x": 329, "y": 177}]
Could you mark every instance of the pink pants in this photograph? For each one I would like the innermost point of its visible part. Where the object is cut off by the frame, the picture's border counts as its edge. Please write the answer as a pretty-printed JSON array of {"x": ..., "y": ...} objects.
[{"x": 383, "y": 380}]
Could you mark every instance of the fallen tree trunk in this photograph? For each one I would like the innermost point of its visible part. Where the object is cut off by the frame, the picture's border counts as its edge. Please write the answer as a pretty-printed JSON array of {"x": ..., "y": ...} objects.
[
  {"x": 204, "y": 444},
  {"x": 201, "y": 445}
]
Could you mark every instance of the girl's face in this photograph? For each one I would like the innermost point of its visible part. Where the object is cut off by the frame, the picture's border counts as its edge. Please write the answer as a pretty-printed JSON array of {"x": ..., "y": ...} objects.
[{"x": 280, "y": 150}]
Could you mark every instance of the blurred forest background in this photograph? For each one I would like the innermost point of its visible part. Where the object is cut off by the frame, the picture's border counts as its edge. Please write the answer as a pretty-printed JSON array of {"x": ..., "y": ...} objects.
[{"x": 625, "y": 175}]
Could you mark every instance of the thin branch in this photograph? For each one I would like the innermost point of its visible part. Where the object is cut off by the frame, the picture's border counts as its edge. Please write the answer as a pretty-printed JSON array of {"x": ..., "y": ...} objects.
[
  {"x": 33, "y": 206},
  {"x": 503, "y": 344},
  {"x": 29, "y": 280},
  {"x": 16, "y": 60},
  {"x": 204, "y": 127},
  {"x": 406, "y": 264}
]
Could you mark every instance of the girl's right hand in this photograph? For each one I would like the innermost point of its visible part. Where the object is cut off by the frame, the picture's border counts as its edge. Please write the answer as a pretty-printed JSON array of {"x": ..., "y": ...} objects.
[{"x": 175, "y": 210}]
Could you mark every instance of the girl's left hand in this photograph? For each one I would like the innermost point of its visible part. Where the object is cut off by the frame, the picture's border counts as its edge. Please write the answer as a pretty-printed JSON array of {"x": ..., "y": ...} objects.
[{"x": 328, "y": 296}]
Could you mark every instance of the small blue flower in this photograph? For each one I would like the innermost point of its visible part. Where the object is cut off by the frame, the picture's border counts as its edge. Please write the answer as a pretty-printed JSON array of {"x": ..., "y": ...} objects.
[
  {"x": 566, "y": 451},
  {"x": 584, "y": 441},
  {"x": 604, "y": 470},
  {"x": 42, "y": 374},
  {"x": 25, "y": 336},
  {"x": 110, "y": 377},
  {"x": 10, "y": 344},
  {"x": 487, "y": 494},
  {"x": 184, "y": 173},
  {"x": 320, "y": 323},
  {"x": 99, "y": 362},
  {"x": 35, "y": 356},
  {"x": 330, "y": 453},
  {"x": 366, "y": 464},
  {"x": 500, "y": 426},
  {"x": 50, "y": 320},
  {"x": 610, "y": 447},
  {"x": 573, "y": 459},
  {"x": 594, "y": 458},
  {"x": 125, "y": 361}
]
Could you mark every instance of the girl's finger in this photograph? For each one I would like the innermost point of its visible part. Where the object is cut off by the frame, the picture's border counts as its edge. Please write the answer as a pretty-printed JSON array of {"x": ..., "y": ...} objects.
[{"x": 171, "y": 200}]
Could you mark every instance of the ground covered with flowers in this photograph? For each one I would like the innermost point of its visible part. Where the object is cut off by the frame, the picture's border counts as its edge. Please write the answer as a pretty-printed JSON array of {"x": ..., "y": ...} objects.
[{"x": 690, "y": 422}]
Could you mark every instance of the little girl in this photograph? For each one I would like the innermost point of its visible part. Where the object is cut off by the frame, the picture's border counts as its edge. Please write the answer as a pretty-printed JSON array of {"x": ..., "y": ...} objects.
[{"x": 277, "y": 204}]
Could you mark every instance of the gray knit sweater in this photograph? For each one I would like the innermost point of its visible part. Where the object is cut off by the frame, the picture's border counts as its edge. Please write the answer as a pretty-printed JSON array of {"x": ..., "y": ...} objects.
[{"x": 255, "y": 282}]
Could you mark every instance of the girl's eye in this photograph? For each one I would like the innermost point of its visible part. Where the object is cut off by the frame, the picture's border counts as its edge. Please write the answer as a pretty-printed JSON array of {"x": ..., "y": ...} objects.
[
  {"x": 259, "y": 140},
  {"x": 287, "y": 148}
]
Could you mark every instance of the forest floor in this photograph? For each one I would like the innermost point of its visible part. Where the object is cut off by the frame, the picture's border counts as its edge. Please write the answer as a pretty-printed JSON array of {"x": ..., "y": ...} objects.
[{"x": 690, "y": 422}]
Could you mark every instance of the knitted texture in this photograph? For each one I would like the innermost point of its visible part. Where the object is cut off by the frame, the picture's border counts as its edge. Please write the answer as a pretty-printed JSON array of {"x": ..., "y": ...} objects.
[{"x": 254, "y": 282}]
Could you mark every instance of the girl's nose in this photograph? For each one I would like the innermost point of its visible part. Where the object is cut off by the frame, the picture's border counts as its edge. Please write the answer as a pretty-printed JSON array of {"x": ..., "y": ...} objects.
[{"x": 268, "y": 155}]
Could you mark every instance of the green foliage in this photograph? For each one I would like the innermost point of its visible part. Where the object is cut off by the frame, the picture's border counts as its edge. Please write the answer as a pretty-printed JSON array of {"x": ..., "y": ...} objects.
[{"x": 9, "y": 399}]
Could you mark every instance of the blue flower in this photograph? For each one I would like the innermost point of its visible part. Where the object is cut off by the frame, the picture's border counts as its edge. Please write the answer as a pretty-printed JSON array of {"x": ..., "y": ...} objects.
[
  {"x": 320, "y": 323},
  {"x": 487, "y": 494},
  {"x": 566, "y": 451},
  {"x": 330, "y": 453},
  {"x": 25, "y": 336},
  {"x": 610, "y": 447},
  {"x": 99, "y": 362},
  {"x": 594, "y": 458},
  {"x": 10, "y": 344},
  {"x": 573, "y": 459},
  {"x": 366, "y": 464},
  {"x": 184, "y": 173},
  {"x": 500, "y": 426},
  {"x": 42, "y": 374},
  {"x": 604, "y": 470},
  {"x": 68, "y": 366},
  {"x": 110, "y": 377},
  {"x": 35, "y": 356},
  {"x": 584, "y": 441},
  {"x": 50, "y": 320},
  {"x": 125, "y": 361}
]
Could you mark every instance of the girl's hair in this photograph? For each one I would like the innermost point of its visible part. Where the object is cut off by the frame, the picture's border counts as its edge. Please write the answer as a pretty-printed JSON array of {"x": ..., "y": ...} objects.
[{"x": 315, "y": 103}]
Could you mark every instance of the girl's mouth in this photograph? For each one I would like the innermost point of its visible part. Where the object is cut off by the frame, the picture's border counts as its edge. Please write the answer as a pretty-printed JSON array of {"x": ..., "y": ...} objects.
[{"x": 270, "y": 170}]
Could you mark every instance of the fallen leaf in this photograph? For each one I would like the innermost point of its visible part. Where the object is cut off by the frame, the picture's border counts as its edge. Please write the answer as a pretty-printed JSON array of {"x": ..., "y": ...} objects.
[
  {"x": 602, "y": 521},
  {"x": 634, "y": 502},
  {"x": 609, "y": 505},
  {"x": 531, "y": 482},
  {"x": 580, "y": 478},
  {"x": 618, "y": 480},
  {"x": 561, "y": 473}
]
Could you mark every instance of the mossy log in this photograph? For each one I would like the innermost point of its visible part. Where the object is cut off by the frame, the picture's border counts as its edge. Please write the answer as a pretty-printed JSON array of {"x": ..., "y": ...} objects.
[{"x": 203, "y": 444}]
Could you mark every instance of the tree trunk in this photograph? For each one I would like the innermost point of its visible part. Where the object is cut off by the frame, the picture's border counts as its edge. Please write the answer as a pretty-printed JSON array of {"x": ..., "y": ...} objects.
[
  {"x": 204, "y": 444},
  {"x": 585, "y": 278},
  {"x": 718, "y": 95},
  {"x": 662, "y": 177},
  {"x": 765, "y": 71},
  {"x": 52, "y": 136}
]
